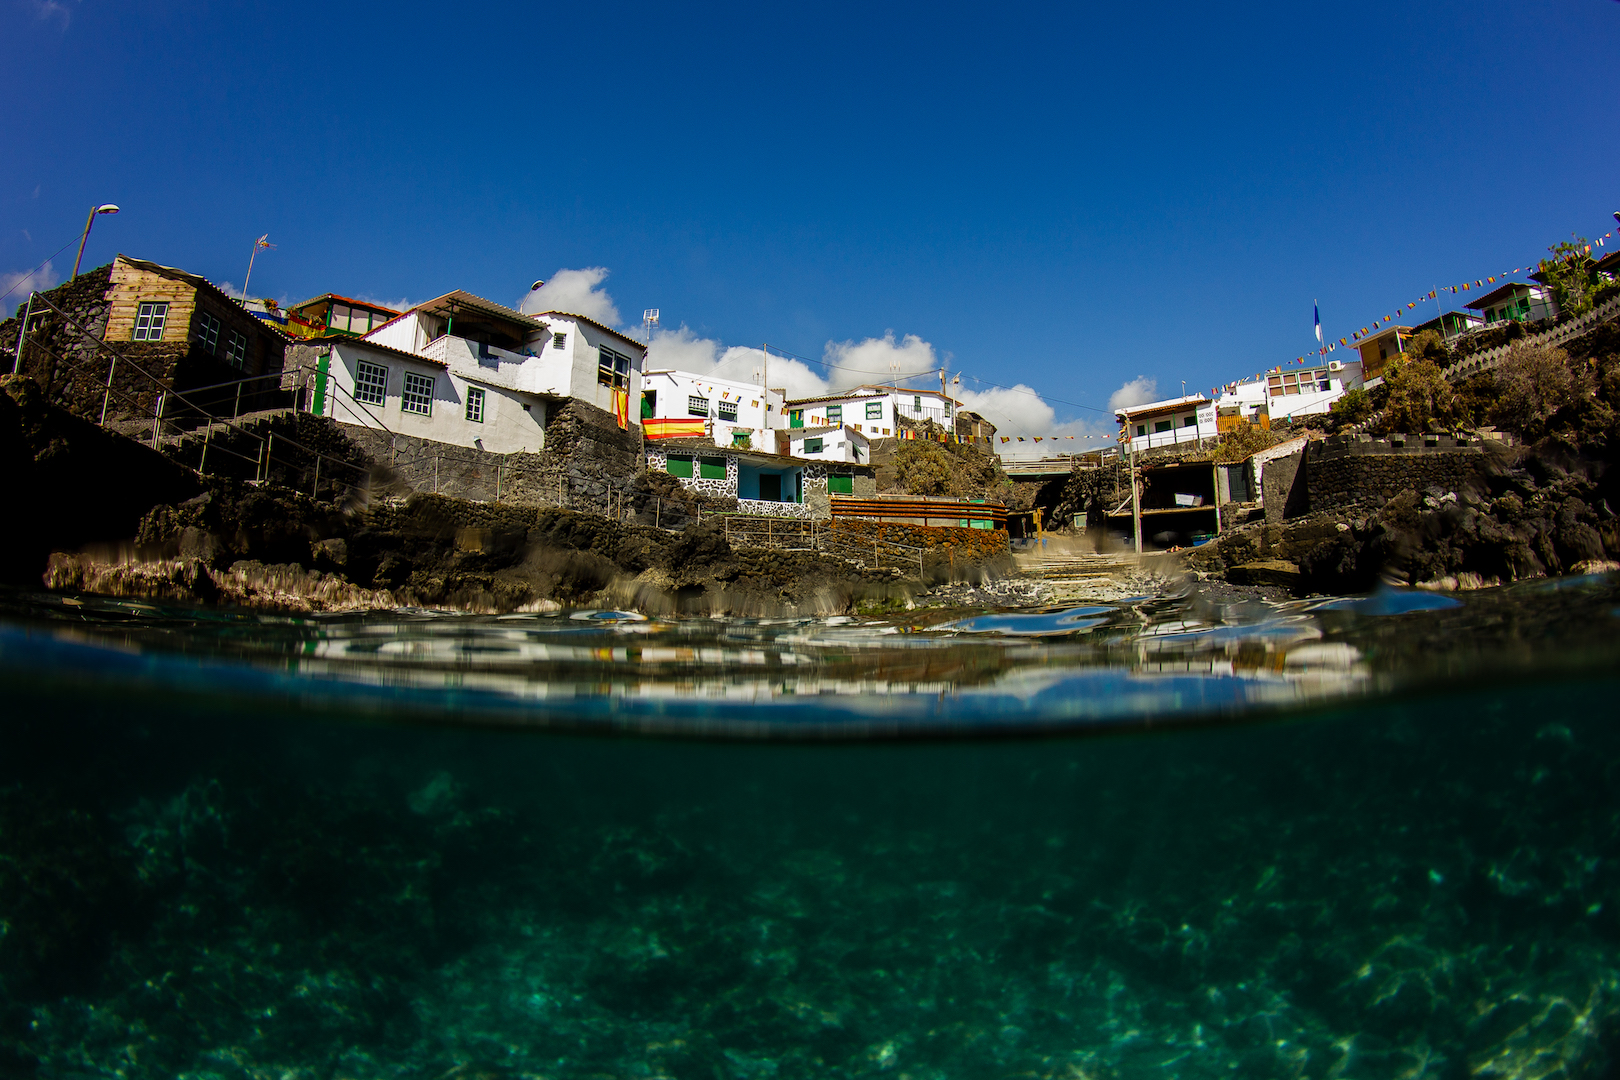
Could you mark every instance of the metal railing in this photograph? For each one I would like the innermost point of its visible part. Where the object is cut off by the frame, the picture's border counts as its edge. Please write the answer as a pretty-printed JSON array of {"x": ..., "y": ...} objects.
[{"x": 165, "y": 393}]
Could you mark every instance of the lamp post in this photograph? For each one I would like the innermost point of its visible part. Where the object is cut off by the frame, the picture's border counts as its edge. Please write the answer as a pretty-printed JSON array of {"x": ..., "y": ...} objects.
[{"x": 104, "y": 208}]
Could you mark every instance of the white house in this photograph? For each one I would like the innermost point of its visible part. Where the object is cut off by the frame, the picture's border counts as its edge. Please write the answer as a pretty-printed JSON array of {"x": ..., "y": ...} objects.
[
  {"x": 375, "y": 386},
  {"x": 735, "y": 413},
  {"x": 1516, "y": 301},
  {"x": 1245, "y": 400},
  {"x": 555, "y": 353},
  {"x": 1167, "y": 423},
  {"x": 1308, "y": 391},
  {"x": 844, "y": 443},
  {"x": 877, "y": 410}
]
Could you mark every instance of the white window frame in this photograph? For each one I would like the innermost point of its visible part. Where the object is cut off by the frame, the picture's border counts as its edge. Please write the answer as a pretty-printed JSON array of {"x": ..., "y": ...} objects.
[
  {"x": 370, "y": 379},
  {"x": 612, "y": 368},
  {"x": 475, "y": 404},
  {"x": 150, "y": 318},
  {"x": 417, "y": 394}
]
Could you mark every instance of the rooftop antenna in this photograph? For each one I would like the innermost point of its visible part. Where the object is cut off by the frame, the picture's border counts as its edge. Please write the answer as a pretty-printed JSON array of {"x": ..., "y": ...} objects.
[
  {"x": 261, "y": 242},
  {"x": 649, "y": 319}
]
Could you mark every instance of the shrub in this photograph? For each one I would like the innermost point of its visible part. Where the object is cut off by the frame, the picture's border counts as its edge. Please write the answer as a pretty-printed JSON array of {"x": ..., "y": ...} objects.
[
  {"x": 1569, "y": 274},
  {"x": 1419, "y": 397},
  {"x": 1534, "y": 385},
  {"x": 1246, "y": 439},
  {"x": 1353, "y": 407}
]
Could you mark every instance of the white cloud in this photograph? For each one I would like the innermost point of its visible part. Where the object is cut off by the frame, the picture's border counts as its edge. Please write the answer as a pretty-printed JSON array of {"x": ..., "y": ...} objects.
[
  {"x": 51, "y": 11},
  {"x": 1139, "y": 391},
  {"x": 230, "y": 289},
  {"x": 23, "y": 282},
  {"x": 576, "y": 292},
  {"x": 907, "y": 360}
]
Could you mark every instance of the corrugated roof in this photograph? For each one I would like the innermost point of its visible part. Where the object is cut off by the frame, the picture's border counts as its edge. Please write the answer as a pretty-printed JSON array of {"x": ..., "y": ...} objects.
[
  {"x": 200, "y": 282},
  {"x": 1168, "y": 405},
  {"x": 1480, "y": 303},
  {"x": 367, "y": 304}
]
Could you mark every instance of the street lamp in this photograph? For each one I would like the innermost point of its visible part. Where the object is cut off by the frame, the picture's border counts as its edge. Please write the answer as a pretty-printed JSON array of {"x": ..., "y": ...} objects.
[{"x": 104, "y": 208}]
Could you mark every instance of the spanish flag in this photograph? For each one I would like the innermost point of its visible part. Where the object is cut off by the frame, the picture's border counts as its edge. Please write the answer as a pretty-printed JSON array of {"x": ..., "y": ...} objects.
[
  {"x": 621, "y": 408},
  {"x": 672, "y": 428}
]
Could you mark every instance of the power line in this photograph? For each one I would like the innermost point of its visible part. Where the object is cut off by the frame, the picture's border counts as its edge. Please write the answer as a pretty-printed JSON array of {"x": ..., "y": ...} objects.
[{"x": 34, "y": 271}]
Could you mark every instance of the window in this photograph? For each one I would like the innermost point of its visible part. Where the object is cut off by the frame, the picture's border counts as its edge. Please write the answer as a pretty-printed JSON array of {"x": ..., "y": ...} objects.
[
  {"x": 612, "y": 369},
  {"x": 712, "y": 468},
  {"x": 649, "y": 404},
  {"x": 840, "y": 484},
  {"x": 208, "y": 332},
  {"x": 678, "y": 466},
  {"x": 475, "y": 404},
  {"x": 1141, "y": 429},
  {"x": 370, "y": 383},
  {"x": 418, "y": 396},
  {"x": 149, "y": 320},
  {"x": 559, "y": 341},
  {"x": 727, "y": 410},
  {"x": 812, "y": 446},
  {"x": 916, "y": 403},
  {"x": 236, "y": 351},
  {"x": 1161, "y": 425},
  {"x": 874, "y": 410},
  {"x": 697, "y": 406},
  {"x": 742, "y": 439},
  {"x": 1190, "y": 421},
  {"x": 835, "y": 414}
]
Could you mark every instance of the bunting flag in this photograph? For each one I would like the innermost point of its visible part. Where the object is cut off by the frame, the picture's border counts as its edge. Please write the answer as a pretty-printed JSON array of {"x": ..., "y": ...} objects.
[{"x": 672, "y": 429}]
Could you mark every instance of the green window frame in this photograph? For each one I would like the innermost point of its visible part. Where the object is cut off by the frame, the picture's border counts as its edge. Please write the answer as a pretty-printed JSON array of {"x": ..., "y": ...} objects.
[
  {"x": 712, "y": 468},
  {"x": 835, "y": 414},
  {"x": 1190, "y": 421},
  {"x": 841, "y": 484},
  {"x": 678, "y": 466},
  {"x": 874, "y": 410},
  {"x": 812, "y": 446}
]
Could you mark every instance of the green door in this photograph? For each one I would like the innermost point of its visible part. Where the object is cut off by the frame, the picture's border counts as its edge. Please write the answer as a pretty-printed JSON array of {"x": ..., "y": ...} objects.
[{"x": 796, "y": 418}]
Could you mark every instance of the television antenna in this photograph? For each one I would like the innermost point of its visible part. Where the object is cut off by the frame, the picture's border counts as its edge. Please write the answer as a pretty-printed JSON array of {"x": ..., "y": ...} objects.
[{"x": 649, "y": 319}]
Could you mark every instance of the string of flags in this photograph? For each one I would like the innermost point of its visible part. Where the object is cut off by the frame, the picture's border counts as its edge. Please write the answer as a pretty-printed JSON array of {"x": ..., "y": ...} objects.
[{"x": 1379, "y": 324}]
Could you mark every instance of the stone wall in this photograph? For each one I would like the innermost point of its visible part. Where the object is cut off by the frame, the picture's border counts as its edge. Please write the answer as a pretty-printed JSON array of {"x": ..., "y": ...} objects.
[
  {"x": 75, "y": 368},
  {"x": 1358, "y": 470},
  {"x": 1284, "y": 487}
]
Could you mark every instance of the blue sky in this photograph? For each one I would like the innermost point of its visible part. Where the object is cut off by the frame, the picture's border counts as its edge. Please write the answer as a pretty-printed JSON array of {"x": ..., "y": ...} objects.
[{"x": 1070, "y": 198}]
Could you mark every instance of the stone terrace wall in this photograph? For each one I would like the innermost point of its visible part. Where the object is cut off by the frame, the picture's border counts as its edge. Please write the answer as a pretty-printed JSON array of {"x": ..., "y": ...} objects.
[{"x": 1358, "y": 470}]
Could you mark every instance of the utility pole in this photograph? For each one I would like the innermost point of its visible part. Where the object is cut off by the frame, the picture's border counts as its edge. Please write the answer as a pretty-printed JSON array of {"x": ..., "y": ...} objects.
[{"x": 1136, "y": 502}]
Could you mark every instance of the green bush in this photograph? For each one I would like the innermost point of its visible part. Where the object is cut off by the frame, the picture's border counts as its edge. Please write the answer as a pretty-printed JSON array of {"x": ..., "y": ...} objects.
[
  {"x": 1420, "y": 398},
  {"x": 1539, "y": 390},
  {"x": 1353, "y": 407}
]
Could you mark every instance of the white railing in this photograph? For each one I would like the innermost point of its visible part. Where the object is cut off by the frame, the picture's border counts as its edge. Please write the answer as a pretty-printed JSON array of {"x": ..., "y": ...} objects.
[
  {"x": 1491, "y": 359},
  {"x": 1170, "y": 438}
]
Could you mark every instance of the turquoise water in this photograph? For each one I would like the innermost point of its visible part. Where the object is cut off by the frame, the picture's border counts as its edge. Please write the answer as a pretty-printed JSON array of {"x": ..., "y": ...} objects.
[{"x": 1167, "y": 838}]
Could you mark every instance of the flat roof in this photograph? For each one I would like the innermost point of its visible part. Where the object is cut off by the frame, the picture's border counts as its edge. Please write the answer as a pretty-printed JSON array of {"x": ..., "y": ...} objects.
[
  {"x": 871, "y": 390},
  {"x": 350, "y": 339},
  {"x": 642, "y": 345}
]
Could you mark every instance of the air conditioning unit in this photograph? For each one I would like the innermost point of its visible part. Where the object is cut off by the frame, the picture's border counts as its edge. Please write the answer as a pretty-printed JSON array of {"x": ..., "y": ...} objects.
[{"x": 1335, "y": 365}]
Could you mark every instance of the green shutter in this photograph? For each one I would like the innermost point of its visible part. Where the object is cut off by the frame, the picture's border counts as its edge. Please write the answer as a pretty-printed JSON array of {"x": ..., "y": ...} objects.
[
  {"x": 712, "y": 468},
  {"x": 679, "y": 466},
  {"x": 841, "y": 485},
  {"x": 796, "y": 418}
]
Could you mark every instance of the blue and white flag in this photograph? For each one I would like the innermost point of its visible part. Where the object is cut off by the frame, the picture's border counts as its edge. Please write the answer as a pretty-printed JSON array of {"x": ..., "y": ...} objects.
[{"x": 1316, "y": 312}]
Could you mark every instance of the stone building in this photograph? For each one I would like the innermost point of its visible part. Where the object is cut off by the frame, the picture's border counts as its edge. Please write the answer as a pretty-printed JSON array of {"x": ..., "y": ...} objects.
[
  {"x": 134, "y": 330},
  {"x": 770, "y": 484}
]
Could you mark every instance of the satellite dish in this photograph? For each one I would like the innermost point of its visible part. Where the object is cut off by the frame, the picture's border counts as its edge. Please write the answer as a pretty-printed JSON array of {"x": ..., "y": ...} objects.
[{"x": 536, "y": 285}]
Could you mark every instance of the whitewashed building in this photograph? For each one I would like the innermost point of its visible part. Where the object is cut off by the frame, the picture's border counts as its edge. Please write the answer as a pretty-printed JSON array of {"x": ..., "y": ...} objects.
[
  {"x": 375, "y": 386},
  {"x": 1167, "y": 423},
  {"x": 553, "y": 353},
  {"x": 736, "y": 414},
  {"x": 844, "y": 443},
  {"x": 1308, "y": 391},
  {"x": 877, "y": 411}
]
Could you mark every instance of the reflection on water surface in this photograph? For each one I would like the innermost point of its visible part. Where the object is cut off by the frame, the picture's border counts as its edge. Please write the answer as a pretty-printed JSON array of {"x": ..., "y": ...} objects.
[{"x": 219, "y": 858}]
